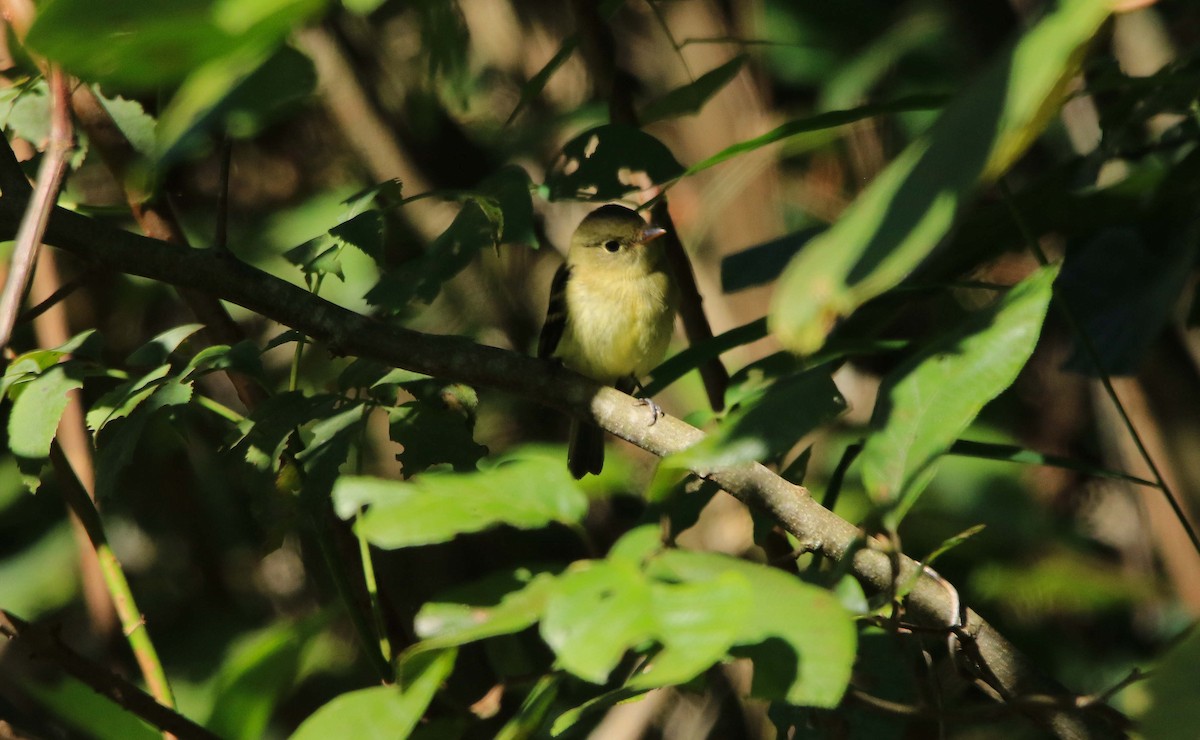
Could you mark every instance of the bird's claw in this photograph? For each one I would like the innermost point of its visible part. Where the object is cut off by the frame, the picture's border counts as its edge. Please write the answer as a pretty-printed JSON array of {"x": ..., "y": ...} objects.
[{"x": 655, "y": 410}]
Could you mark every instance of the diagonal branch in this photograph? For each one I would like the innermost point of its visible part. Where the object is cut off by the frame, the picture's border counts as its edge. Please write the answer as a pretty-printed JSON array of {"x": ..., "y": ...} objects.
[
  {"x": 50, "y": 176},
  {"x": 218, "y": 275},
  {"x": 45, "y": 644}
]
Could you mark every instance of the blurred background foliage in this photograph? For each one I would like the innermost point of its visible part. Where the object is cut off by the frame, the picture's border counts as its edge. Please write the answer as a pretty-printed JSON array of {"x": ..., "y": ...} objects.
[{"x": 334, "y": 116}]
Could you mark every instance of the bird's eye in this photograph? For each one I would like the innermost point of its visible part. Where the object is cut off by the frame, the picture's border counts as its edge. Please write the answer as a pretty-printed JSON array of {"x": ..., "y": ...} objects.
[{"x": 612, "y": 245}]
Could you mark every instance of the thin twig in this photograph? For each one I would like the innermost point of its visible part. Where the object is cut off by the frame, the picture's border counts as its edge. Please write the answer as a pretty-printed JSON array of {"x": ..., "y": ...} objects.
[
  {"x": 44, "y": 644},
  {"x": 133, "y": 623},
  {"x": 50, "y": 176},
  {"x": 53, "y": 299},
  {"x": 1089, "y": 348},
  {"x": 221, "y": 237}
]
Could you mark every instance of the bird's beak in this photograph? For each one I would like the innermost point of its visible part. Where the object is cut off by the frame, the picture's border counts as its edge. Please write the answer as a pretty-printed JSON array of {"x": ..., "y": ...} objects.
[{"x": 650, "y": 233}]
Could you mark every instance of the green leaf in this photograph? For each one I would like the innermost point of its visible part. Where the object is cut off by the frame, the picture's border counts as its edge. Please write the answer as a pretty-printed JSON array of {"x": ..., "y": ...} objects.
[
  {"x": 257, "y": 675},
  {"x": 691, "y": 97},
  {"x": 599, "y": 609},
  {"x": 511, "y": 188},
  {"x": 927, "y": 402},
  {"x": 138, "y": 126},
  {"x": 1025, "y": 456},
  {"x": 764, "y": 427},
  {"x": 911, "y": 206},
  {"x": 606, "y": 162},
  {"x": 501, "y": 604},
  {"x": 422, "y": 278},
  {"x": 759, "y": 265},
  {"x": 805, "y": 660},
  {"x": 696, "y": 355},
  {"x": 1172, "y": 712},
  {"x": 115, "y": 41},
  {"x": 35, "y": 416},
  {"x": 1123, "y": 287},
  {"x": 819, "y": 122},
  {"x": 27, "y": 366},
  {"x": 116, "y": 445},
  {"x": 696, "y": 625},
  {"x": 433, "y": 434},
  {"x": 318, "y": 256},
  {"x": 266, "y": 431},
  {"x": 526, "y": 493},
  {"x": 382, "y": 712},
  {"x": 158, "y": 350},
  {"x": 326, "y": 448},
  {"x": 78, "y": 705},
  {"x": 239, "y": 93},
  {"x": 125, "y": 398}
]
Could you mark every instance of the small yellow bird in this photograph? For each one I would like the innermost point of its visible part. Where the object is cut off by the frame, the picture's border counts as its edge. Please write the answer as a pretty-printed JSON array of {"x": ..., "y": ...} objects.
[{"x": 611, "y": 313}]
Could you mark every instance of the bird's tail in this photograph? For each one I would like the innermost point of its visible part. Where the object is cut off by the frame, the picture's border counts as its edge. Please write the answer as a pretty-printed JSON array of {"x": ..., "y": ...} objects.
[{"x": 586, "y": 451}]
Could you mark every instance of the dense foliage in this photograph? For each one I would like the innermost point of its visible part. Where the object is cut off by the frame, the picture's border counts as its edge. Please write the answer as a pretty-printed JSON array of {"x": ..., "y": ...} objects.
[{"x": 274, "y": 359}]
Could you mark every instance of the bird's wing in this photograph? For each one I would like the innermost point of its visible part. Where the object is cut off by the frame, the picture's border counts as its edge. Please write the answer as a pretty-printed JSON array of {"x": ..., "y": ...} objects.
[{"x": 556, "y": 313}]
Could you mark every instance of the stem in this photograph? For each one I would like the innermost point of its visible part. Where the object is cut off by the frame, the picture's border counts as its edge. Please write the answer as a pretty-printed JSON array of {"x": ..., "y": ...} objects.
[
  {"x": 364, "y": 552},
  {"x": 45, "y": 644},
  {"x": 133, "y": 622},
  {"x": 37, "y": 213},
  {"x": 1089, "y": 348}
]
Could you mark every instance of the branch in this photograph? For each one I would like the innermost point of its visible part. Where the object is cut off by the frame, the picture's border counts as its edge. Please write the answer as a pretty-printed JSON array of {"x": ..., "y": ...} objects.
[
  {"x": 459, "y": 359},
  {"x": 81, "y": 503},
  {"x": 42, "y": 642},
  {"x": 49, "y": 180}
]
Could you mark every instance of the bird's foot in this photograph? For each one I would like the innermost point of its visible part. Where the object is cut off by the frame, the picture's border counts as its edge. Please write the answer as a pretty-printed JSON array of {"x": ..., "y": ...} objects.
[{"x": 655, "y": 410}]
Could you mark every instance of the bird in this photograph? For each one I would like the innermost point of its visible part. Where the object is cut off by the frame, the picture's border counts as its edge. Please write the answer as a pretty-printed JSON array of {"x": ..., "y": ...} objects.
[{"x": 611, "y": 314}]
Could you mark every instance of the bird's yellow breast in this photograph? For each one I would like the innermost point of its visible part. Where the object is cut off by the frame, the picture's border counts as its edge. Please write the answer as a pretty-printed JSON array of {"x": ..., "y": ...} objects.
[{"x": 619, "y": 321}]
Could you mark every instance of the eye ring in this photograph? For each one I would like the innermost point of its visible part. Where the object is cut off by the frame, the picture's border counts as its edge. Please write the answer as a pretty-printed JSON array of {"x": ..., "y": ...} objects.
[{"x": 612, "y": 246}]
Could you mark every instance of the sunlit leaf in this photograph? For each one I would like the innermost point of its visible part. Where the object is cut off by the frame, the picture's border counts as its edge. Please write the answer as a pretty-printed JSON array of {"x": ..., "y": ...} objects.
[
  {"x": 382, "y": 712},
  {"x": 598, "y": 610},
  {"x": 158, "y": 350},
  {"x": 35, "y": 416},
  {"x": 501, "y": 604},
  {"x": 912, "y": 204},
  {"x": 807, "y": 660},
  {"x": 927, "y": 402},
  {"x": 436, "y": 506}
]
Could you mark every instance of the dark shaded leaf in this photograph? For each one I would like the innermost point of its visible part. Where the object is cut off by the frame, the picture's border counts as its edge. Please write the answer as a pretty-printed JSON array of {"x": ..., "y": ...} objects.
[
  {"x": 691, "y": 97},
  {"x": 761, "y": 264},
  {"x": 432, "y": 435},
  {"x": 609, "y": 161}
]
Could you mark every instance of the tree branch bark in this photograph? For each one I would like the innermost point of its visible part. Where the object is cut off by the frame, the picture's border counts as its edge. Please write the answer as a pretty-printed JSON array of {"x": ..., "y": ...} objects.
[{"x": 456, "y": 358}]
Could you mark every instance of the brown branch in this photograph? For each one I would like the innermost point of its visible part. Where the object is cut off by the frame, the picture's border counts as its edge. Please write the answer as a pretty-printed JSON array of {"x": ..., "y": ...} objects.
[
  {"x": 45, "y": 195},
  {"x": 459, "y": 359},
  {"x": 598, "y": 47},
  {"x": 42, "y": 643}
]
